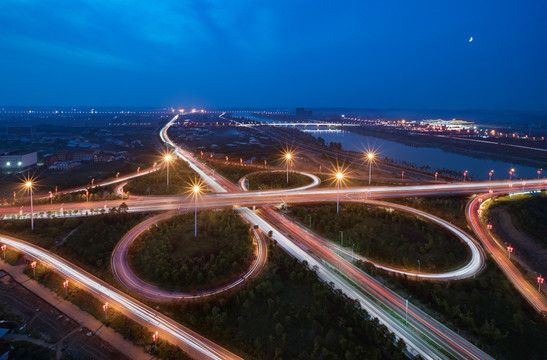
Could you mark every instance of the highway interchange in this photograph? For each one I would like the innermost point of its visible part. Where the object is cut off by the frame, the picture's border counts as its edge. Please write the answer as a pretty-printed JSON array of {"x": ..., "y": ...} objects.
[{"x": 422, "y": 334}]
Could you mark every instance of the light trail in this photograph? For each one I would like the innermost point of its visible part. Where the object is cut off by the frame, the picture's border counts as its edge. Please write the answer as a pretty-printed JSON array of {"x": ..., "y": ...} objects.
[
  {"x": 498, "y": 252},
  {"x": 191, "y": 342},
  {"x": 122, "y": 271}
]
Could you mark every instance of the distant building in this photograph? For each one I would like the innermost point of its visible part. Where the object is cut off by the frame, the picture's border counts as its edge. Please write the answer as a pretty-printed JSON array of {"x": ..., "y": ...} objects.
[
  {"x": 17, "y": 160},
  {"x": 303, "y": 113}
]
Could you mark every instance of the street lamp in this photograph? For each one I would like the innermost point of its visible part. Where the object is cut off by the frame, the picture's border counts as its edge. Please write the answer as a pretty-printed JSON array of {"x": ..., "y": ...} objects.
[
  {"x": 33, "y": 266},
  {"x": 406, "y": 309},
  {"x": 155, "y": 338},
  {"x": 539, "y": 172},
  {"x": 3, "y": 248},
  {"x": 490, "y": 175},
  {"x": 167, "y": 159},
  {"x": 510, "y": 250},
  {"x": 540, "y": 281},
  {"x": 370, "y": 157},
  {"x": 196, "y": 190},
  {"x": 65, "y": 285},
  {"x": 511, "y": 172},
  {"x": 464, "y": 175},
  {"x": 28, "y": 185},
  {"x": 105, "y": 309},
  {"x": 288, "y": 159},
  {"x": 339, "y": 178}
]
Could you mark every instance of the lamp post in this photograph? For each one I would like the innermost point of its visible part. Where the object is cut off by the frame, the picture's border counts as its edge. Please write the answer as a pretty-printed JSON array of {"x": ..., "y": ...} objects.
[
  {"x": 167, "y": 159},
  {"x": 406, "y": 309},
  {"x": 540, "y": 281},
  {"x": 510, "y": 250},
  {"x": 33, "y": 266},
  {"x": 464, "y": 175},
  {"x": 28, "y": 184},
  {"x": 105, "y": 309},
  {"x": 339, "y": 177},
  {"x": 511, "y": 172},
  {"x": 370, "y": 157},
  {"x": 196, "y": 190},
  {"x": 539, "y": 172},
  {"x": 341, "y": 238},
  {"x": 65, "y": 285},
  {"x": 352, "y": 252},
  {"x": 490, "y": 175},
  {"x": 155, "y": 338},
  {"x": 3, "y": 247},
  {"x": 419, "y": 267},
  {"x": 288, "y": 159}
]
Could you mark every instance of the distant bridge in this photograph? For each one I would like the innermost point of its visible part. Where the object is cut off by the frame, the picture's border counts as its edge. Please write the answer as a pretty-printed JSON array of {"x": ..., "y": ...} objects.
[{"x": 302, "y": 124}]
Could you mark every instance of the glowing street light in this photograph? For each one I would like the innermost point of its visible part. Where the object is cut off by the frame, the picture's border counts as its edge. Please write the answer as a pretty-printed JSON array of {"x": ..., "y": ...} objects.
[
  {"x": 510, "y": 250},
  {"x": 539, "y": 172},
  {"x": 436, "y": 175},
  {"x": 167, "y": 158},
  {"x": 511, "y": 172},
  {"x": 464, "y": 175},
  {"x": 155, "y": 338},
  {"x": 540, "y": 281},
  {"x": 28, "y": 185},
  {"x": 339, "y": 178},
  {"x": 196, "y": 190},
  {"x": 370, "y": 158},
  {"x": 288, "y": 159},
  {"x": 65, "y": 285},
  {"x": 3, "y": 248},
  {"x": 33, "y": 266},
  {"x": 490, "y": 175},
  {"x": 117, "y": 174},
  {"x": 105, "y": 309}
]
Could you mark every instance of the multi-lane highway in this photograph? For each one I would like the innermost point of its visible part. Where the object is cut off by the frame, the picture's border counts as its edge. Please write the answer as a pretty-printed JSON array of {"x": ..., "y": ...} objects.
[
  {"x": 194, "y": 344},
  {"x": 421, "y": 333}
]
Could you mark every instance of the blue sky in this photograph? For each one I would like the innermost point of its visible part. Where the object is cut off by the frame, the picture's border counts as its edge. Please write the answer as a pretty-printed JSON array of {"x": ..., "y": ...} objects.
[{"x": 376, "y": 54}]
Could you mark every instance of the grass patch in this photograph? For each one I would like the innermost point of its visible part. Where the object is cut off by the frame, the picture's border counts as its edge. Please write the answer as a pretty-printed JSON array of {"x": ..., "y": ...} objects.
[
  {"x": 170, "y": 256},
  {"x": 390, "y": 237},
  {"x": 276, "y": 180}
]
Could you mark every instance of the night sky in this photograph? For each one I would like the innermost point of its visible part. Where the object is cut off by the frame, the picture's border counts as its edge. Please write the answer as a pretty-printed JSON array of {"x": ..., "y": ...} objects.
[{"x": 262, "y": 53}]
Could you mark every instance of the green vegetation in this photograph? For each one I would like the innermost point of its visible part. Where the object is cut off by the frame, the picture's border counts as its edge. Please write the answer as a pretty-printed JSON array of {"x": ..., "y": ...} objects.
[
  {"x": 89, "y": 246},
  {"x": 129, "y": 329},
  {"x": 230, "y": 171},
  {"x": 169, "y": 255},
  {"x": 488, "y": 309},
  {"x": 389, "y": 237},
  {"x": 276, "y": 180},
  {"x": 180, "y": 178},
  {"x": 288, "y": 313},
  {"x": 529, "y": 214}
]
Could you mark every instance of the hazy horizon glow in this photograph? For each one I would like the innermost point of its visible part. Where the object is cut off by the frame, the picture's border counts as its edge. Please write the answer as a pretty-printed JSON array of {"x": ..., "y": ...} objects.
[{"x": 374, "y": 54}]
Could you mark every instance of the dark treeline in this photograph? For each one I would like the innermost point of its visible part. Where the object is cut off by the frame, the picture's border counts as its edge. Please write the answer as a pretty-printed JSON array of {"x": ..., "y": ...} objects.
[
  {"x": 89, "y": 246},
  {"x": 276, "y": 180},
  {"x": 386, "y": 236},
  {"x": 288, "y": 313},
  {"x": 170, "y": 256}
]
